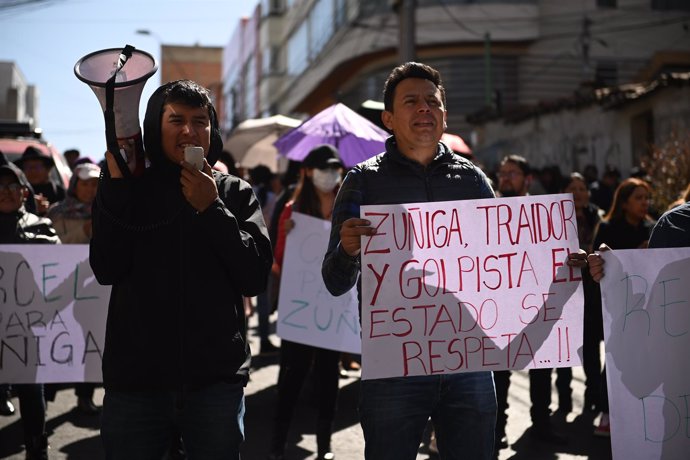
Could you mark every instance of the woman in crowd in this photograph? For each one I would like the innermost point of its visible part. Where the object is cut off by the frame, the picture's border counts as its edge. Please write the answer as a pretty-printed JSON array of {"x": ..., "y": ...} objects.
[
  {"x": 315, "y": 194},
  {"x": 627, "y": 225},
  {"x": 72, "y": 216},
  {"x": 588, "y": 216}
]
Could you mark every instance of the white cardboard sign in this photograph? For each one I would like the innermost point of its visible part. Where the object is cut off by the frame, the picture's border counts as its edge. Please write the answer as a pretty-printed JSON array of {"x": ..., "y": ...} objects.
[
  {"x": 52, "y": 315},
  {"x": 646, "y": 302},
  {"x": 307, "y": 312},
  {"x": 470, "y": 285}
]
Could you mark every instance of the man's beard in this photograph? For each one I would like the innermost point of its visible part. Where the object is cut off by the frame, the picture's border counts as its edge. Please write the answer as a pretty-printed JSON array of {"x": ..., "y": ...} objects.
[{"x": 508, "y": 193}]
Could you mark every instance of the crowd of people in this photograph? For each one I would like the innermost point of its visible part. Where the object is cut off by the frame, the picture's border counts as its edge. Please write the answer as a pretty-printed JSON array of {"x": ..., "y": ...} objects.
[{"x": 172, "y": 383}]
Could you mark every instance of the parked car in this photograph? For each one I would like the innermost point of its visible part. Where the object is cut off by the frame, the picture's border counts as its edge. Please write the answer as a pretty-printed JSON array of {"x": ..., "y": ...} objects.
[{"x": 15, "y": 137}]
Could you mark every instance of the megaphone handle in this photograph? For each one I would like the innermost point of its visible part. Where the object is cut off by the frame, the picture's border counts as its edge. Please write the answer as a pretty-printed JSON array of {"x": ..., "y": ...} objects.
[
  {"x": 109, "y": 115},
  {"x": 112, "y": 144}
]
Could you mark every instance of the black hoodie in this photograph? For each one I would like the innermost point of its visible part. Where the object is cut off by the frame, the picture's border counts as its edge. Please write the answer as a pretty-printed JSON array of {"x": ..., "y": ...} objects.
[{"x": 176, "y": 314}]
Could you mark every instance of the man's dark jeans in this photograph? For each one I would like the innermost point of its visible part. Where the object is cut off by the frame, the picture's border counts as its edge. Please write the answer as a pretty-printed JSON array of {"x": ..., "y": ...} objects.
[{"x": 141, "y": 424}]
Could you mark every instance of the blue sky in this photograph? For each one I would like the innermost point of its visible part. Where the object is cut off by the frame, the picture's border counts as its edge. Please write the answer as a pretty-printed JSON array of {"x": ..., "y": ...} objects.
[{"x": 46, "y": 40}]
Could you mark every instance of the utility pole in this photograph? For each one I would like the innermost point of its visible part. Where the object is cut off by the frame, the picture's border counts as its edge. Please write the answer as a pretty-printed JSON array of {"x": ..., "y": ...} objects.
[
  {"x": 406, "y": 20},
  {"x": 585, "y": 43},
  {"x": 488, "y": 84}
]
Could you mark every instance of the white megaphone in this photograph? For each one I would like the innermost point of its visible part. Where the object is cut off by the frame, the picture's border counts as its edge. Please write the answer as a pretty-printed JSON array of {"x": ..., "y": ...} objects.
[{"x": 117, "y": 77}]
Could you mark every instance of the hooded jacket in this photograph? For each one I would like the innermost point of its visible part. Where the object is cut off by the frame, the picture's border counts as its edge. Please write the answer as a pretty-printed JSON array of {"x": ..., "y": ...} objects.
[
  {"x": 176, "y": 314},
  {"x": 21, "y": 226}
]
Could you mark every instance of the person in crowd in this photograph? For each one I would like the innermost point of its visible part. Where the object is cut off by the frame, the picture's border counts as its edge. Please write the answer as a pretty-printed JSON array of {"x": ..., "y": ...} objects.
[
  {"x": 261, "y": 178},
  {"x": 415, "y": 167},
  {"x": 587, "y": 216},
  {"x": 315, "y": 194},
  {"x": 36, "y": 166},
  {"x": 591, "y": 174},
  {"x": 71, "y": 219},
  {"x": 288, "y": 183},
  {"x": 180, "y": 248},
  {"x": 682, "y": 198},
  {"x": 627, "y": 225},
  {"x": 18, "y": 226},
  {"x": 602, "y": 191},
  {"x": 229, "y": 161},
  {"x": 551, "y": 179},
  {"x": 514, "y": 179},
  {"x": 672, "y": 230},
  {"x": 72, "y": 216},
  {"x": 71, "y": 157}
]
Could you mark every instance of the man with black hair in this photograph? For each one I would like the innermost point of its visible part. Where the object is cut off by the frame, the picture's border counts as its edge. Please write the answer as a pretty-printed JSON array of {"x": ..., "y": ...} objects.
[
  {"x": 180, "y": 247},
  {"x": 514, "y": 179},
  {"x": 415, "y": 167}
]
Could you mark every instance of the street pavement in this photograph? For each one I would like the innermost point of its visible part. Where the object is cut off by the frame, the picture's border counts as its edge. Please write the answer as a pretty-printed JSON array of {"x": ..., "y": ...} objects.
[{"x": 76, "y": 437}]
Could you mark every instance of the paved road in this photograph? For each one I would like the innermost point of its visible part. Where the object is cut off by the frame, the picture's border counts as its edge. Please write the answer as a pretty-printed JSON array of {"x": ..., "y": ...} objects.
[{"x": 75, "y": 437}]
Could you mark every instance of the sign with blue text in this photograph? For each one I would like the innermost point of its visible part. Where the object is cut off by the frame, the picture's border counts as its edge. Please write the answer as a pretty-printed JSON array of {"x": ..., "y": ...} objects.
[
  {"x": 52, "y": 315},
  {"x": 472, "y": 285},
  {"x": 307, "y": 312},
  {"x": 646, "y": 308}
]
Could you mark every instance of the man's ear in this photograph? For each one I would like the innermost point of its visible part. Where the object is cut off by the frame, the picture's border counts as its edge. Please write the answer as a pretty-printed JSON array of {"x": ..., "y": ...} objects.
[
  {"x": 25, "y": 193},
  {"x": 387, "y": 119}
]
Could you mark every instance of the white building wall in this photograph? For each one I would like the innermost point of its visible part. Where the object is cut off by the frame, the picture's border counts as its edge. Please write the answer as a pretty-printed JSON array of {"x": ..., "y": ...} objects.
[
  {"x": 574, "y": 138},
  {"x": 18, "y": 101}
]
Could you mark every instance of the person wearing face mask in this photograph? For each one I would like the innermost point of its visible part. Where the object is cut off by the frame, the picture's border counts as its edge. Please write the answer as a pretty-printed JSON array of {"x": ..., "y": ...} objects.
[{"x": 320, "y": 178}]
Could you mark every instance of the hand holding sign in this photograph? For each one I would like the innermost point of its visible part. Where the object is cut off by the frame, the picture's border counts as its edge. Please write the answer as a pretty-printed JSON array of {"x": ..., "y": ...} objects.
[
  {"x": 350, "y": 235},
  {"x": 596, "y": 263}
]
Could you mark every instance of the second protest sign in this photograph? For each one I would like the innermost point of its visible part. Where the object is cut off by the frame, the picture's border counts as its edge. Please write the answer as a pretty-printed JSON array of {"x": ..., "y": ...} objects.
[{"x": 470, "y": 285}]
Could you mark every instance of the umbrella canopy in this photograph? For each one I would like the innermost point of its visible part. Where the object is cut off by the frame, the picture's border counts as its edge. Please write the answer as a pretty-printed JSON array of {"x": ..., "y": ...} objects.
[
  {"x": 264, "y": 153},
  {"x": 356, "y": 138},
  {"x": 251, "y": 131},
  {"x": 456, "y": 144}
]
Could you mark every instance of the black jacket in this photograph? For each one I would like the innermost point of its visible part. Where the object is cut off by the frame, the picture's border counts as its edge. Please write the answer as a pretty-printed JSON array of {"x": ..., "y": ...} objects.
[
  {"x": 392, "y": 178},
  {"x": 176, "y": 314},
  {"x": 22, "y": 227}
]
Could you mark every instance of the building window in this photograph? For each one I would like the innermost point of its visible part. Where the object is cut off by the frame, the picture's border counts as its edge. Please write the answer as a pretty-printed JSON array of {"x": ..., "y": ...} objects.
[
  {"x": 683, "y": 5},
  {"x": 321, "y": 21},
  {"x": 607, "y": 3},
  {"x": 298, "y": 50},
  {"x": 272, "y": 7},
  {"x": 271, "y": 61}
]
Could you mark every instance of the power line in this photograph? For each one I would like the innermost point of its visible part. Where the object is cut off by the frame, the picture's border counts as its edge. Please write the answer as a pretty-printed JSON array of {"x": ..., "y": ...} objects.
[{"x": 458, "y": 22}]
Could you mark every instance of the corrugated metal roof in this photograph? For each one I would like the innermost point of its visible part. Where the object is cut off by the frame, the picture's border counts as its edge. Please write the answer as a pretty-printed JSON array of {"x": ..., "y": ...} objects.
[{"x": 608, "y": 98}]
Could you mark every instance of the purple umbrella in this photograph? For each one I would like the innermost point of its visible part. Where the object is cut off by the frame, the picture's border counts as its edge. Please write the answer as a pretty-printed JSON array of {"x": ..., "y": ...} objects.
[{"x": 356, "y": 138}]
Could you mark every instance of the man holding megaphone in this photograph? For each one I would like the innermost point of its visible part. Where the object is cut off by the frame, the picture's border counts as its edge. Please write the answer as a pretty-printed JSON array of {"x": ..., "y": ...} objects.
[{"x": 180, "y": 247}]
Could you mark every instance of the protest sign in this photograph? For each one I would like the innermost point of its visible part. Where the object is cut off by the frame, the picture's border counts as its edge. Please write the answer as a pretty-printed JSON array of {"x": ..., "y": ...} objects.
[
  {"x": 307, "y": 312},
  {"x": 52, "y": 315},
  {"x": 646, "y": 308},
  {"x": 470, "y": 285}
]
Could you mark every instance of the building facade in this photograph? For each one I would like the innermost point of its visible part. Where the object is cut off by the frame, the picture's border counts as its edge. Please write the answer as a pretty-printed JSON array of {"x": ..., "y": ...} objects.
[
  {"x": 18, "y": 99},
  {"x": 203, "y": 64},
  {"x": 494, "y": 55}
]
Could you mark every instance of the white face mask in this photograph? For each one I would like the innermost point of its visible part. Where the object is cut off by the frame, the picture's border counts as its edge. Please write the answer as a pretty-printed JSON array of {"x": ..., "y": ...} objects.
[{"x": 326, "y": 180}]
